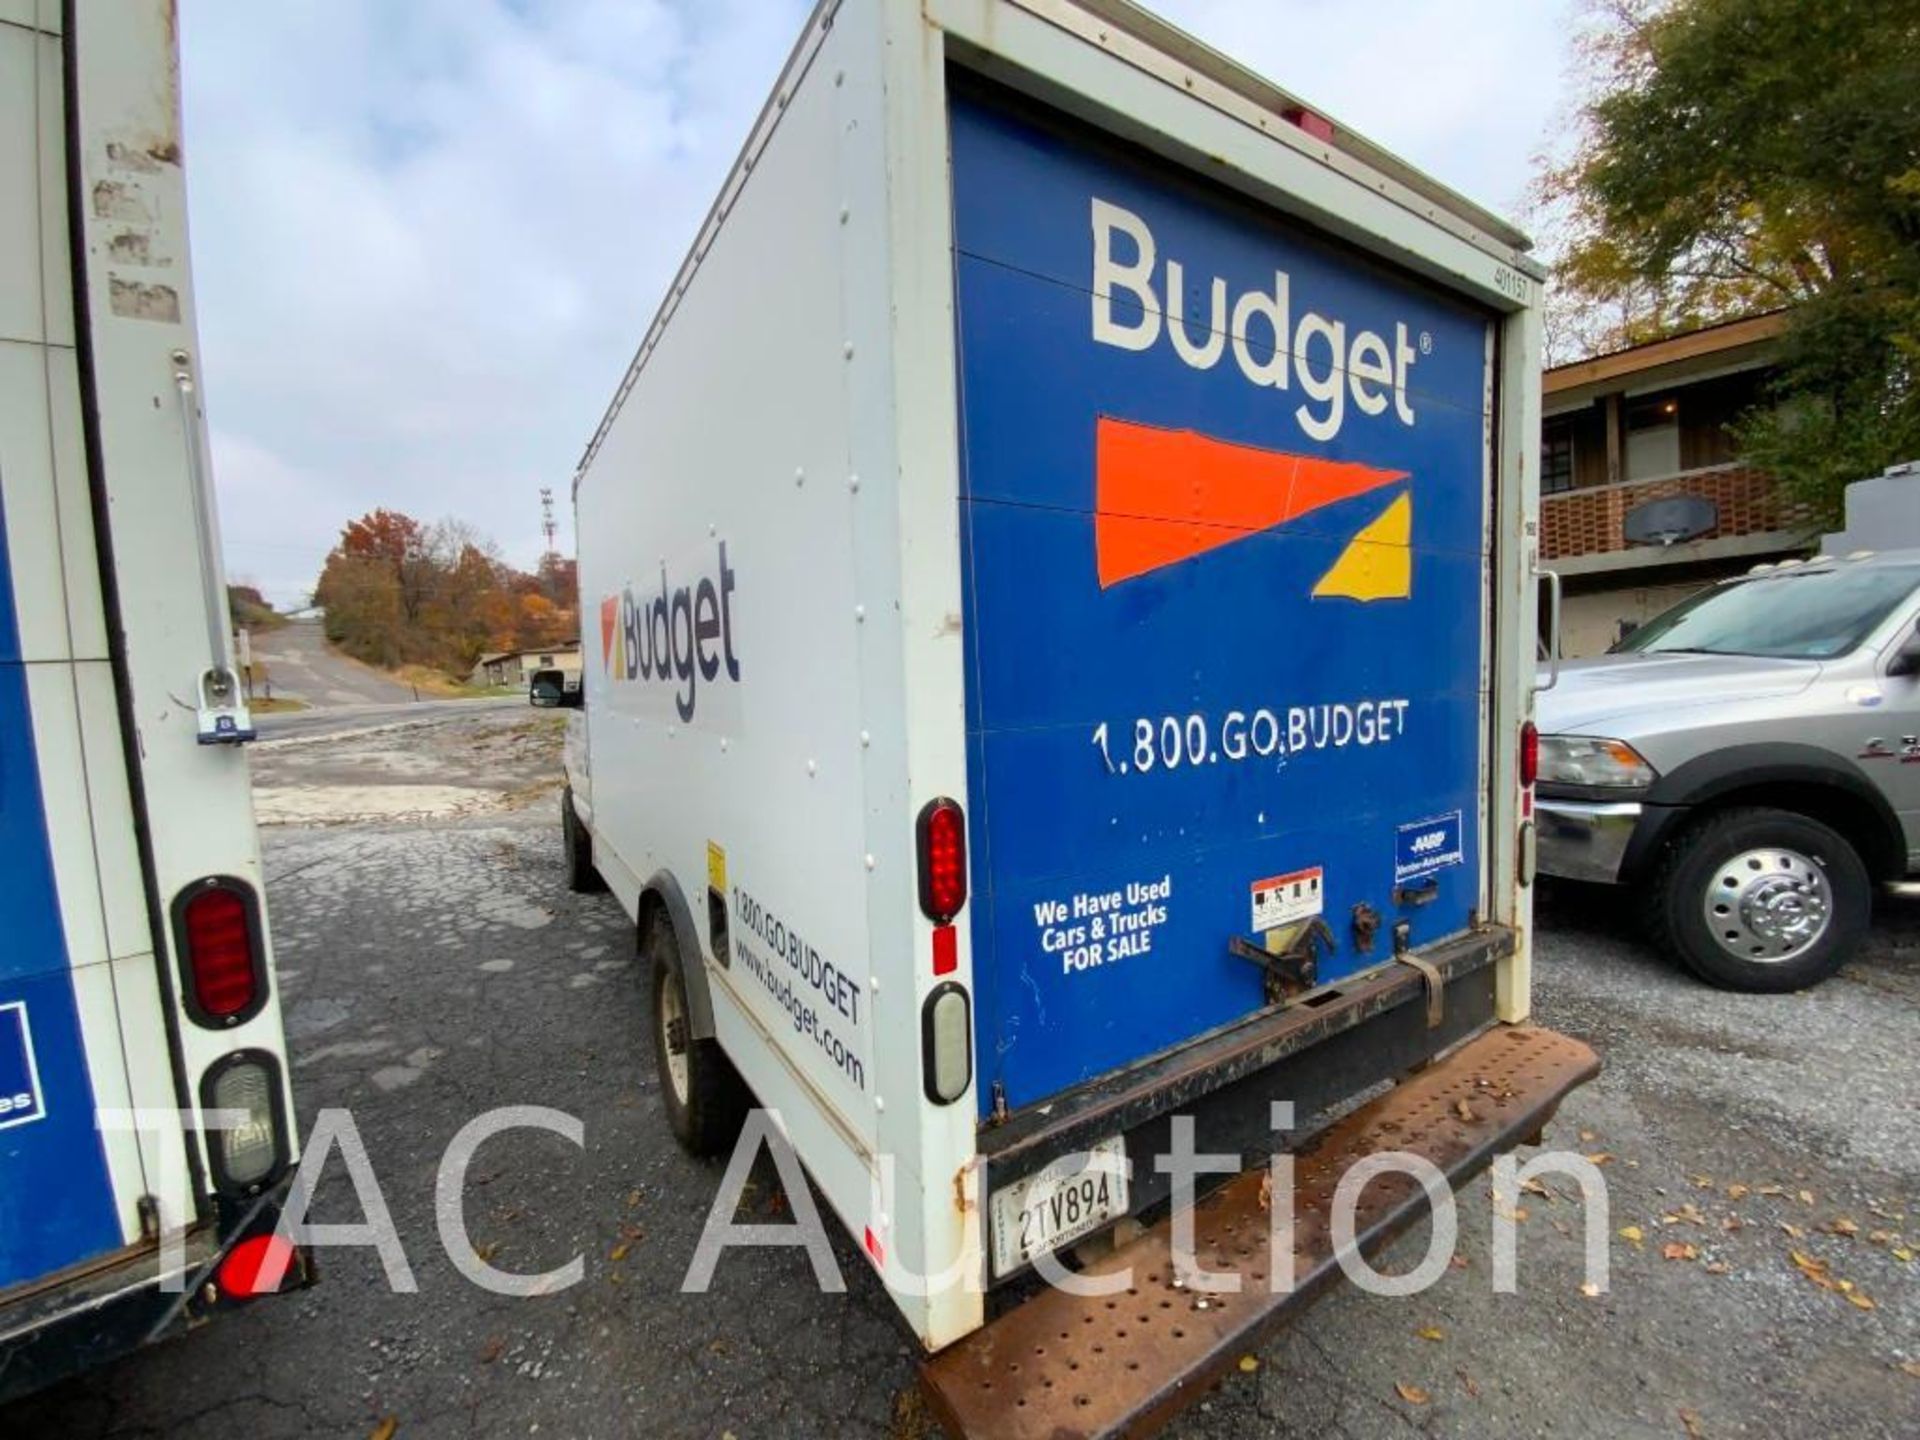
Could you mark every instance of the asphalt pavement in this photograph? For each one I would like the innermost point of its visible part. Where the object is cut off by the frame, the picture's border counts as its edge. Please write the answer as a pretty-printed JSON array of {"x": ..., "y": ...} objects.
[
  {"x": 301, "y": 666},
  {"x": 1764, "y": 1184}
]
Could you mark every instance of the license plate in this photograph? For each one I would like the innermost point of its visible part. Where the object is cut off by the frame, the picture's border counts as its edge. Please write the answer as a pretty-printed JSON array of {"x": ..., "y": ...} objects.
[{"x": 1073, "y": 1196}]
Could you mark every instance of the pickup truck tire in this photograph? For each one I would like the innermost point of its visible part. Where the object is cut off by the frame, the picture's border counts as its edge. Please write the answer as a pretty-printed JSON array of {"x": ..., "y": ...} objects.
[
  {"x": 1750, "y": 898},
  {"x": 582, "y": 877},
  {"x": 706, "y": 1099}
]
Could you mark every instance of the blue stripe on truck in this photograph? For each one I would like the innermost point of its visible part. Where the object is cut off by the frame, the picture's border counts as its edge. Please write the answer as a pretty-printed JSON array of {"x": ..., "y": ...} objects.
[
  {"x": 1224, "y": 597},
  {"x": 56, "y": 1198}
]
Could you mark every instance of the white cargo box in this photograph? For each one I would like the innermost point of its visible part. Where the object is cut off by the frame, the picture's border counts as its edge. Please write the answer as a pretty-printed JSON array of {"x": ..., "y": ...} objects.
[{"x": 1056, "y": 421}]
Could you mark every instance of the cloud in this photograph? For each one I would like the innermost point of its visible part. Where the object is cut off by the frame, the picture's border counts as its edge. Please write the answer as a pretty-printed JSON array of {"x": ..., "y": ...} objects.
[{"x": 428, "y": 235}]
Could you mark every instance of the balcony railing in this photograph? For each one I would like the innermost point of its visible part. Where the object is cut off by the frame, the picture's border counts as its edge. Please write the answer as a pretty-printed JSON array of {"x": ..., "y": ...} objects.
[{"x": 1589, "y": 521}]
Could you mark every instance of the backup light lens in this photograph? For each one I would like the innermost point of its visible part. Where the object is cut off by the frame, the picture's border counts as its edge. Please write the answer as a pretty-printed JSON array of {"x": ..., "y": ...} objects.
[
  {"x": 249, "y": 1148},
  {"x": 1593, "y": 760},
  {"x": 943, "y": 860},
  {"x": 946, "y": 1034}
]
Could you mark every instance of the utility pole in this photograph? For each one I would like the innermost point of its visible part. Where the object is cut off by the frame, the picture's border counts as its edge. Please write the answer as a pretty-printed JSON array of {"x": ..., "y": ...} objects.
[{"x": 547, "y": 524}]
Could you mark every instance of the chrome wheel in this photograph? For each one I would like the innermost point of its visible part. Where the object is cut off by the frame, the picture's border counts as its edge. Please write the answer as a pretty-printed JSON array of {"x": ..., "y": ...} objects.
[
  {"x": 673, "y": 1036},
  {"x": 1769, "y": 905}
]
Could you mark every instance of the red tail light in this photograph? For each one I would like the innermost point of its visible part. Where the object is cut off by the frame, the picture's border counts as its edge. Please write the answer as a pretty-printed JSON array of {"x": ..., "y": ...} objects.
[
  {"x": 258, "y": 1265},
  {"x": 1529, "y": 754},
  {"x": 217, "y": 929},
  {"x": 943, "y": 860}
]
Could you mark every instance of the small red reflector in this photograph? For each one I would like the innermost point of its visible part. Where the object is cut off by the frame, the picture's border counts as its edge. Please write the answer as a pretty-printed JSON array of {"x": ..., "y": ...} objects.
[
  {"x": 258, "y": 1265},
  {"x": 1318, "y": 126},
  {"x": 1529, "y": 753},
  {"x": 943, "y": 861},
  {"x": 946, "y": 950},
  {"x": 220, "y": 953}
]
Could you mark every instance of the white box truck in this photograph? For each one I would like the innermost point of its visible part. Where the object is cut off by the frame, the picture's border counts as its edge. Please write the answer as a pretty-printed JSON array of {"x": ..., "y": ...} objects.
[
  {"x": 146, "y": 1130},
  {"x": 1061, "y": 607}
]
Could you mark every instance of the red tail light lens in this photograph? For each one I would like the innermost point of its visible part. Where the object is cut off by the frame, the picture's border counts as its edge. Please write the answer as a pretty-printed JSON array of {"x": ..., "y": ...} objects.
[
  {"x": 218, "y": 934},
  {"x": 1529, "y": 753},
  {"x": 943, "y": 860},
  {"x": 258, "y": 1265}
]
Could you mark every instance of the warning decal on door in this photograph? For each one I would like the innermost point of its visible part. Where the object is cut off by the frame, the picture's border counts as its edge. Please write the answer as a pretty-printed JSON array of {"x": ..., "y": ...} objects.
[{"x": 1285, "y": 898}]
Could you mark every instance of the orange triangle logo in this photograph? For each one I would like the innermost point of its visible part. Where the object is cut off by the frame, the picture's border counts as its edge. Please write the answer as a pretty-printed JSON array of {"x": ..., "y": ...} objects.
[
  {"x": 1163, "y": 496},
  {"x": 609, "y": 622}
]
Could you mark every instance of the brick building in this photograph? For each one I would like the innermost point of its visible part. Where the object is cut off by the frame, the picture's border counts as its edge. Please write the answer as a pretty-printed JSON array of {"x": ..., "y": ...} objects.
[{"x": 1644, "y": 498}]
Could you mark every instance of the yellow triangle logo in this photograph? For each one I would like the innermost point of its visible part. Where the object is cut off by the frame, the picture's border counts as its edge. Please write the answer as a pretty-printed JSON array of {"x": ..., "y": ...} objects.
[{"x": 1378, "y": 564}]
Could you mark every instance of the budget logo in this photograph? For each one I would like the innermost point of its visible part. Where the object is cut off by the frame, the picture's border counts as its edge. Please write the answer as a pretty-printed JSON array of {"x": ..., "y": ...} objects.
[
  {"x": 674, "y": 639},
  {"x": 1163, "y": 496}
]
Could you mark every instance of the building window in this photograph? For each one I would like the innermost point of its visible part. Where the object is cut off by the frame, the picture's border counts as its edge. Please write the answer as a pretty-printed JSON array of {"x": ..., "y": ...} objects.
[
  {"x": 1653, "y": 437},
  {"x": 1556, "y": 458}
]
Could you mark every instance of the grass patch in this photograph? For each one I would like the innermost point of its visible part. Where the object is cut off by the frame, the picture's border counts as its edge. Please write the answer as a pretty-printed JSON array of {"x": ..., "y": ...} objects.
[{"x": 276, "y": 706}]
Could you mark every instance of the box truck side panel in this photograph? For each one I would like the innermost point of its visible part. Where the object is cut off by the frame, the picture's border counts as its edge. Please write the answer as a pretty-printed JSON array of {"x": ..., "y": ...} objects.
[
  {"x": 726, "y": 623},
  {"x": 1225, "y": 499}
]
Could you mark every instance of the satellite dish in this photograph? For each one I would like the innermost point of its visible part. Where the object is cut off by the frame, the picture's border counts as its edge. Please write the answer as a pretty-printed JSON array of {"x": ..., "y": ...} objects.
[{"x": 1669, "y": 521}]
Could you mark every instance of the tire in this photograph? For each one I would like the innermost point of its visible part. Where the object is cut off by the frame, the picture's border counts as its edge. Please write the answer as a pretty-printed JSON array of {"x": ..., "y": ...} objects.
[
  {"x": 1760, "y": 900},
  {"x": 705, "y": 1098},
  {"x": 577, "y": 843}
]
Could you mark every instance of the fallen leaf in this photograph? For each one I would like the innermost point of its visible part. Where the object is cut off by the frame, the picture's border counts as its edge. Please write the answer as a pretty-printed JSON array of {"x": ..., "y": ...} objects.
[
  {"x": 1717, "y": 1267},
  {"x": 1464, "y": 1110},
  {"x": 1534, "y": 1187},
  {"x": 1771, "y": 1190},
  {"x": 1459, "y": 1262},
  {"x": 1688, "y": 1214},
  {"x": 1737, "y": 1192},
  {"x": 1431, "y": 1332},
  {"x": 1806, "y": 1197},
  {"x": 1732, "y": 1223},
  {"x": 384, "y": 1430},
  {"x": 1855, "y": 1298},
  {"x": 1701, "y": 1182},
  {"x": 1690, "y": 1422},
  {"x": 1468, "y": 1383},
  {"x": 1412, "y": 1394},
  {"x": 1600, "y": 1157},
  {"x": 619, "y": 1252},
  {"x": 1841, "y": 1226},
  {"x": 1589, "y": 1289},
  {"x": 1266, "y": 1191},
  {"x": 1794, "y": 1232},
  {"x": 1586, "y": 1137},
  {"x": 1911, "y": 1367},
  {"x": 487, "y": 1251},
  {"x": 1632, "y": 1234},
  {"x": 633, "y": 1199},
  {"x": 1675, "y": 1250},
  {"x": 1880, "y": 1237},
  {"x": 1901, "y": 1253},
  {"x": 1248, "y": 1364},
  {"x": 492, "y": 1350}
]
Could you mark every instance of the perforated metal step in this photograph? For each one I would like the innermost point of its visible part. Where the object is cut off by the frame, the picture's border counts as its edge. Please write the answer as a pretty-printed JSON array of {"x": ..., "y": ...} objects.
[{"x": 1065, "y": 1366}]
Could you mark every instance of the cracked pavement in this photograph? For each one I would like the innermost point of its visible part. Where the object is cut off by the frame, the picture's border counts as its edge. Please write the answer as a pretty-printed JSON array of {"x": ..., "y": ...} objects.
[{"x": 433, "y": 970}]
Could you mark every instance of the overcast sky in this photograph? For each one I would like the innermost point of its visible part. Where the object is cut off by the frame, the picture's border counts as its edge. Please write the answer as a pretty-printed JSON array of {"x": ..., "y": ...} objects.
[{"x": 428, "y": 234}]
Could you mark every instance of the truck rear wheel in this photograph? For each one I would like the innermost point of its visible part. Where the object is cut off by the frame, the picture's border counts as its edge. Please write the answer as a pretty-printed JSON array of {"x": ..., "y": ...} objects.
[
  {"x": 1761, "y": 900},
  {"x": 582, "y": 877},
  {"x": 705, "y": 1097}
]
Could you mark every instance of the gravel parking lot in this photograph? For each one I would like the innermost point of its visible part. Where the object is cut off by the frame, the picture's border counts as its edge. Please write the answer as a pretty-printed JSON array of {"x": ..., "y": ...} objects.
[{"x": 1761, "y": 1153}]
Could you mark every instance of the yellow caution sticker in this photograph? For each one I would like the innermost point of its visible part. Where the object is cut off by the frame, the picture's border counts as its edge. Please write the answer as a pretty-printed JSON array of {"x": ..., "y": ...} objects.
[{"x": 716, "y": 867}]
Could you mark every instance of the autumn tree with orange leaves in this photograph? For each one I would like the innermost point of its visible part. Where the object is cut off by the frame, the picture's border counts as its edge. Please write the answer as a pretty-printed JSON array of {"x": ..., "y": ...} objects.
[{"x": 397, "y": 592}]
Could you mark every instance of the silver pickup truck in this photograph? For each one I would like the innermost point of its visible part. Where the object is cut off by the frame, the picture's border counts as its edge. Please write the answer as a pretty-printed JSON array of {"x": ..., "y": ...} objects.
[{"x": 1749, "y": 764}]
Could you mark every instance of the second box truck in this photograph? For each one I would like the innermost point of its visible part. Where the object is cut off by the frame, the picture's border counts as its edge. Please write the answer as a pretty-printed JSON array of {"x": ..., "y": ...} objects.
[{"x": 1059, "y": 582}]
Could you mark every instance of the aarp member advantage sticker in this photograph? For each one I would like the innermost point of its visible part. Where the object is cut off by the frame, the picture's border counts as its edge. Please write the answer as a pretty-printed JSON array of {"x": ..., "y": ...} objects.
[{"x": 1428, "y": 845}]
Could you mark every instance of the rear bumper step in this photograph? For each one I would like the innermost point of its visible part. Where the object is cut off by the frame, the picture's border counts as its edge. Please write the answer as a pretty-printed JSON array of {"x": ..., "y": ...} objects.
[{"x": 1064, "y": 1365}]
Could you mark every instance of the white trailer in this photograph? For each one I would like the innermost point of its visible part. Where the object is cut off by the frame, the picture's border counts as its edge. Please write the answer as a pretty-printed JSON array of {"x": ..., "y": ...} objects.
[
  {"x": 1063, "y": 557},
  {"x": 136, "y": 978}
]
